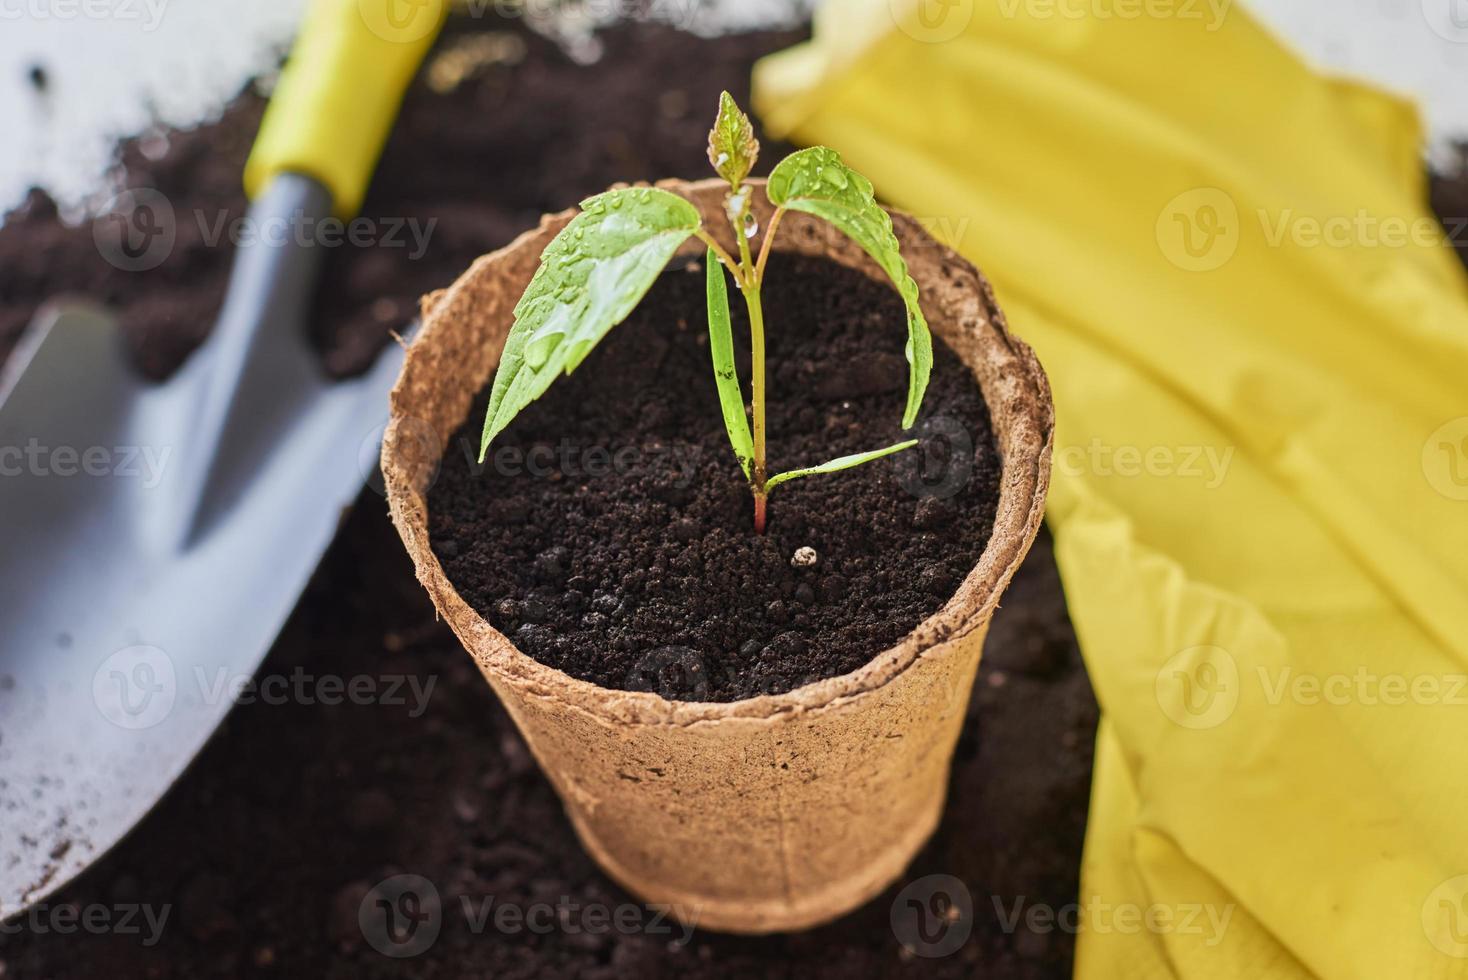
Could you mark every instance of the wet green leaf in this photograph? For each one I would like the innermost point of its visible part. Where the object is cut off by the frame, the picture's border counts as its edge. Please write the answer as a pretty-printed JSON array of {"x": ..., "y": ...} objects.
[
  {"x": 732, "y": 146},
  {"x": 817, "y": 182},
  {"x": 721, "y": 347},
  {"x": 839, "y": 463},
  {"x": 591, "y": 276}
]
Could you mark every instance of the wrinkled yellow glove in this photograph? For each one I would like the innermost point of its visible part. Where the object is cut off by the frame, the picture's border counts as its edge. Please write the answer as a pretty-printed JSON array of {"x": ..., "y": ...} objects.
[{"x": 1258, "y": 343}]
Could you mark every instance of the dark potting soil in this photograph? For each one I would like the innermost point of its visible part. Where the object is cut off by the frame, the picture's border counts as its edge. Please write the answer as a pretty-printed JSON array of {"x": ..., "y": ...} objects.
[
  {"x": 260, "y": 858},
  {"x": 262, "y": 854},
  {"x": 610, "y": 531}
]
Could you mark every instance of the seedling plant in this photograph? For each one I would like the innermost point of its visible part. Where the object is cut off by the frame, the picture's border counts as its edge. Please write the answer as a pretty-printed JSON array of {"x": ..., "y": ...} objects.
[{"x": 598, "y": 268}]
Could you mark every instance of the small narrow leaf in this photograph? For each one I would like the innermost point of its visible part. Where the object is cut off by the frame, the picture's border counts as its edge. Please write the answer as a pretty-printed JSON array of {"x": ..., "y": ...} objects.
[
  {"x": 721, "y": 347},
  {"x": 591, "y": 276},
  {"x": 839, "y": 463},
  {"x": 732, "y": 146},
  {"x": 817, "y": 182}
]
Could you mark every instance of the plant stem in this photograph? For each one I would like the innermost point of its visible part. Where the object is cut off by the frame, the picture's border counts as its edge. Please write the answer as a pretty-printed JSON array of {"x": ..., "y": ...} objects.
[
  {"x": 750, "y": 287},
  {"x": 757, "y": 371}
]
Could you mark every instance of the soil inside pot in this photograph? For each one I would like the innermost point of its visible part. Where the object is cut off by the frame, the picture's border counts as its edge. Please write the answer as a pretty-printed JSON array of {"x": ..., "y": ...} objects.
[{"x": 609, "y": 534}]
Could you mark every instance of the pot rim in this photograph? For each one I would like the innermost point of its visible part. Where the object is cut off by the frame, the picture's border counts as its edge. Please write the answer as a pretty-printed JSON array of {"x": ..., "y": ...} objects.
[{"x": 1024, "y": 479}]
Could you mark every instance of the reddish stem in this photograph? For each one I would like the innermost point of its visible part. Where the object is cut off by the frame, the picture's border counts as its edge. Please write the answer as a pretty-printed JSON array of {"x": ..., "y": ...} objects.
[{"x": 759, "y": 513}]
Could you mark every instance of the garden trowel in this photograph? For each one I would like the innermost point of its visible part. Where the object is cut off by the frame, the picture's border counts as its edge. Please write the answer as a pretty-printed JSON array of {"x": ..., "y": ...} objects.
[{"x": 153, "y": 538}]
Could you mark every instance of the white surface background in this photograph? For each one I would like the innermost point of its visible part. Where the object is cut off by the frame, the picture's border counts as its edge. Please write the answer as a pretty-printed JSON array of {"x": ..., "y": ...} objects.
[{"x": 115, "y": 67}]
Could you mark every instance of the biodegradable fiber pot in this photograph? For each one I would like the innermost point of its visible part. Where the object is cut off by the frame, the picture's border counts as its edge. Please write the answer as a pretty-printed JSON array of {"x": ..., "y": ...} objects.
[{"x": 776, "y": 812}]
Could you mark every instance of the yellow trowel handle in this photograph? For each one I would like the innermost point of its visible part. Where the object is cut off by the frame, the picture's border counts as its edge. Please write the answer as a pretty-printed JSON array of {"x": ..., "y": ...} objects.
[{"x": 339, "y": 93}]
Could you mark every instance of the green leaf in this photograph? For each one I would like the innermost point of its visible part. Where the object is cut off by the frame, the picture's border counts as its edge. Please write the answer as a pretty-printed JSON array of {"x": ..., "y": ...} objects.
[
  {"x": 721, "y": 347},
  {"x": 839, "y": 463},
  {"x": 732, "y": 146},
  {"x": 591, "y": 276},
  {"x": 817, "y": 182}
]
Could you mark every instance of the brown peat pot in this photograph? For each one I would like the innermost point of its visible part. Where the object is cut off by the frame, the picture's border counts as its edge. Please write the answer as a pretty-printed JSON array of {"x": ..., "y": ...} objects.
[{"x": 776, "y": 812}]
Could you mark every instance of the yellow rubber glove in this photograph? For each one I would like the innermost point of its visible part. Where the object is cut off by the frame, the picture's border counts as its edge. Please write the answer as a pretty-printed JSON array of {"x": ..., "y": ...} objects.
[{"x": 1258, "y": 343}]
